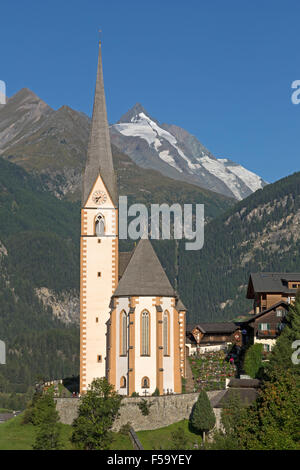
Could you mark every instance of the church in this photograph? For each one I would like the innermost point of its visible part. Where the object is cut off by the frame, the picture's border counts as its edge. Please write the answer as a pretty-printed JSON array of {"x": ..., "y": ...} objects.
[{"x": 132, "y": 323}]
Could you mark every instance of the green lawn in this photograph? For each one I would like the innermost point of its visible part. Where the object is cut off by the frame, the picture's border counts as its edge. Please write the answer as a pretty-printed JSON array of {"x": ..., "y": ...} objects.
[
  {"x": 162, "y": 439},
  {"x": 121, "y": 442},
  {"x": 17, "y": 436}
]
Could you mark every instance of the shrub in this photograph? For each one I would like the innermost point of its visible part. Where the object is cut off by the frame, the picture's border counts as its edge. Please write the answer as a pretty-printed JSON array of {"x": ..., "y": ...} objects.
[
  {"x": 125, "y": 429},
  {"x": 145, "y": 406}
]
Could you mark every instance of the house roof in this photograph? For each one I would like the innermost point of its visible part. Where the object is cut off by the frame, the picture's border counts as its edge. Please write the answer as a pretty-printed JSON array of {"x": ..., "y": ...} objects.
[
  {"x": 273, "y": 307},
  {"x": 291, "y": 277},
  {"x": 216, "y": 398},
  {"x": 144, "y": 275},
  {"x": 246, "y": 396},
  {"x": 99, "y": 156},
  {"x": 244, "y": 383},
  {"x": 271, "y": 282},
  {"x": 218, "y": 327},
  {"x": 245, "y": 389}
]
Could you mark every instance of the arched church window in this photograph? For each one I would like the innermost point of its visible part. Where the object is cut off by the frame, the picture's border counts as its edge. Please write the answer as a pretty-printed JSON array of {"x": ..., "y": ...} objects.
[
  {"x": 145, "y": 337},
  {"x": 99, "y": 225},
  {"x": 123, "y": 335},
  {"x": 145, "y": 382},
  {"x": 166, "y": 333},
  {"x": 123, "y": 382}
]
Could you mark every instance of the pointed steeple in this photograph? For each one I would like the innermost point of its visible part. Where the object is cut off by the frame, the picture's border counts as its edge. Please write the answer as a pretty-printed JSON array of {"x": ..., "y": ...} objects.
[
  {"x": 144, "y": 274},
  {"x": 99, "y": 156}
]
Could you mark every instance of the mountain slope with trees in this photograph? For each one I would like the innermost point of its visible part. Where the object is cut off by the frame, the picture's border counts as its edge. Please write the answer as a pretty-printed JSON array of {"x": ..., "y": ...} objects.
[
  {"x": 39, "y": 246},
  {"x": 260, "y": 233}
]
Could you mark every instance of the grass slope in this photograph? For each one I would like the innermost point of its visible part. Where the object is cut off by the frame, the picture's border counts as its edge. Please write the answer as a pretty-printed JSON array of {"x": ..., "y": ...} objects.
[
  {"x": 17, "y": 436},
  {"x": 162, "y": 439}
]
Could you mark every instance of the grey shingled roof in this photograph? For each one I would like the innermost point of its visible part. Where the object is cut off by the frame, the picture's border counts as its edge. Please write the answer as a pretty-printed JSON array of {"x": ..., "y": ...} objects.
[
  {"x": 99, "y": 156},
  {"x": 144, "y": 275},
  {"x": 244, "y": 383},
  {"x": 291, "y": 277},
  {"x": 218, "y": 327},
  {"x": 246, "y": 396},
  {"x": 273, "y": 282}
]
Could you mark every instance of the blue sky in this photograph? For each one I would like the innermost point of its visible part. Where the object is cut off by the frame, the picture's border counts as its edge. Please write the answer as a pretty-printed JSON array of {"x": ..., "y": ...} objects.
[{"x": 220, "y": 69}]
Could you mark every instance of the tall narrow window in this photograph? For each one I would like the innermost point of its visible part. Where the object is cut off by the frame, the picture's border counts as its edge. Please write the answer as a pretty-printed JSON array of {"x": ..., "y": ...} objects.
[
  {"x": 145, "y": 334},
  {"x": 99, "y": 225},
  {"x": 123, "y": 326},
  {"x": 166, "y": 333}
]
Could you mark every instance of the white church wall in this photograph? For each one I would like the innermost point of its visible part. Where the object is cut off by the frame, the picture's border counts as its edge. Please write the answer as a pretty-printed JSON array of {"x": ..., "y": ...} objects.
[
  {"x": 168, "y": 362},
  {"x": 145, "y": 366},
  {"x": 122, "y": 361},
  {"x": 97, "y": 306}
]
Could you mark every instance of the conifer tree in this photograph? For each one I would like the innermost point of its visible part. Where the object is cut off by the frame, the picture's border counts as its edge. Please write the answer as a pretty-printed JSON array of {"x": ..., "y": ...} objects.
[{"x": 203, "y": 418}]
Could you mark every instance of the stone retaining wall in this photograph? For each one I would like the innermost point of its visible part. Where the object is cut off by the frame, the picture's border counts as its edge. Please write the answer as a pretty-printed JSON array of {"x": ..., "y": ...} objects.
[{"x": 164, "y": 410}]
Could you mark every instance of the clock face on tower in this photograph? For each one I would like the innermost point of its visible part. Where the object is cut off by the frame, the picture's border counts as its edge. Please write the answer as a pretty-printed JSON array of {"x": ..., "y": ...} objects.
[{"x": 99, "y": 197}]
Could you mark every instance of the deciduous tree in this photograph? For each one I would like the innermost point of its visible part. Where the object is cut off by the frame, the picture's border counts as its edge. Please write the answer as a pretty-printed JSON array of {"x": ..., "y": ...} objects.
[{"x": 97, "y": 411}]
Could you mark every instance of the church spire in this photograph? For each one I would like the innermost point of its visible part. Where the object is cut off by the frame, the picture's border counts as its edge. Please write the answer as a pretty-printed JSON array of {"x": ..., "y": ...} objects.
[{"x": 99, "y": 156}]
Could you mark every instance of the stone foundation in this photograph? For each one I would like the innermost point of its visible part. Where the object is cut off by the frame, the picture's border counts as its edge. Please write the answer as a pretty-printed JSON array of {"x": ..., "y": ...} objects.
[{"x": 164, "y": 410}]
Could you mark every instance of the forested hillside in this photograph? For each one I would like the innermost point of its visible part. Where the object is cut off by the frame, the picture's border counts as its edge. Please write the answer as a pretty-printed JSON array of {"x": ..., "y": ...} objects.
[
  {"x": 260, "y": 233},
  {"x": 39, "y": 247}
]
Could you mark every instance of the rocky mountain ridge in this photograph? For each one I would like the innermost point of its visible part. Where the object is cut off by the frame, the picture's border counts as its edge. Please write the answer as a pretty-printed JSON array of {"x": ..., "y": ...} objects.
[
  {"x": 175, "y": 152},
  {"x": 53, "y": 143}
]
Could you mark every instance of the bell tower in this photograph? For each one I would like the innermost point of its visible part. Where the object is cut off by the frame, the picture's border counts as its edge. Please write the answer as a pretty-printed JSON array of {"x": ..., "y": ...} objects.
[{"x": 99, "y": 242}]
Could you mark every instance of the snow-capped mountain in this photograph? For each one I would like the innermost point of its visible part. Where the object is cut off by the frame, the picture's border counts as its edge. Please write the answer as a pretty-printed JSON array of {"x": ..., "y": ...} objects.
[{"x": 177, "y": 154}]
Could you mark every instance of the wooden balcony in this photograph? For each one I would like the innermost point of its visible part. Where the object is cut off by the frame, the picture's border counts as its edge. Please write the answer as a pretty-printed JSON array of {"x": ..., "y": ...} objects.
[{"x": 267, "y": 333}]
